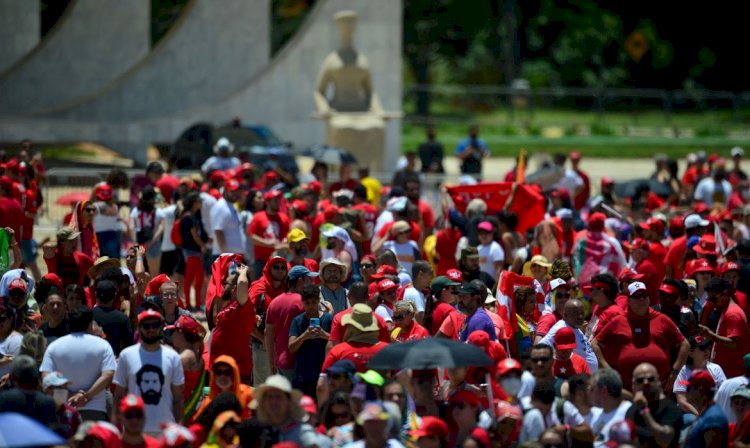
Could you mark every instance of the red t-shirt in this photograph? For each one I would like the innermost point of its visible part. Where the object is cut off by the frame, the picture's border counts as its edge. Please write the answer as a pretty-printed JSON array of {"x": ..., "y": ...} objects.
[
  {"x": 268, "y": 226},
  {"x": 656, "y": 254},
  {"x": 445, "y": 247},
  {"x": 546, "y": 321},
  {"x": 441, "y": 311},
  {"x": 732, "y": 324},
  {"x": 282, "y": 310},
  {"x": 30, "y": 206},
  {"x": 11, "y": 215},
  {"x": 675, "y": 256},
  {"x": 416, "y": 331},
  {"x": 428, "y": 217},
  {"x": 370, "y": 214},
  {"x": 231, "y": 335},
  {"x": 629, "y": 340},
  {"x": 359, "y": 353},
  {"x": 573, "y": 366},
  {"x": 337, "y": 330},
  {"x": 580, "y": 199},
  {"x": 602, "y": 316},
  {"x": 72, "y": 269},
  {"x": 651, "y": 279}
]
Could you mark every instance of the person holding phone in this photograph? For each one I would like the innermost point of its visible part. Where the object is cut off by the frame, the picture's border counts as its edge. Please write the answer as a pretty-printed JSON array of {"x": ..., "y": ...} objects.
[{"x": 308, "y": 336}]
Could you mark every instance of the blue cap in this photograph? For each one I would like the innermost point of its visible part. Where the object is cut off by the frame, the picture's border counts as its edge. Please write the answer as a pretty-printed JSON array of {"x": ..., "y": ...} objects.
[
  {"x": 297, "y": 272},
  {"x": 342, "y": 366}
]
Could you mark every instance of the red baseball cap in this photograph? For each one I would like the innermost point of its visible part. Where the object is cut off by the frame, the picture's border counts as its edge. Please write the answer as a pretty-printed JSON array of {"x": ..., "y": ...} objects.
[
  {"x": 54, "y": 279},
  {"x": 700, "y": 379},
  {"x": 103, "y": 192},
  {"x": 606, "y": 180},
  {"x": 729, "y": 267},
  {"x": 232, "y": 185},
  {"x": 217, "y": 176},
  {"x": 455, "y": 275},
  {"x": 666, "y": 288},
  {"x": 431, "y": 426},
  {"x": 384, "y": 270},
  {"x": 271, "y": 194},
  {"x": 565, "y": 339},
  {"x": 149, "y": 314},
  {"x": 131, "y": 401},
  {"x": 386, "y": 285},
  {"x": 628, "y": 275},
  {"x": 308, "y": 405},
  {"x": 698, "y": 265},
  {"x": 640, "y": 243},
  {"x": 6, "y": 183},
  {"x": 17, "y": 283},
  {"x": 187, "y": 324},
  {"x": 315, "y": 187},
  {"x": 508, "y": 365},
  {"x": 464, "y": 396}
]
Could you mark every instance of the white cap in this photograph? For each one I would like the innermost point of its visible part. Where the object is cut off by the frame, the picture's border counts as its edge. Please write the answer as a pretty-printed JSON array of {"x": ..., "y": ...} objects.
[
  {"x": 635, "y": 287},
  {"x": 396, "y": 204},
  {"x": 692, "y": 158},
  {"x": 564, "y": 213},
  {"x": 54, "y": 379},
  {"x": 695, "y": 220},
  {"x": 556, "y": 283},
  {"x": 223, "y": 142},
  {"x": 490, "y": 298},
  {"x": 737, "y": 152}
]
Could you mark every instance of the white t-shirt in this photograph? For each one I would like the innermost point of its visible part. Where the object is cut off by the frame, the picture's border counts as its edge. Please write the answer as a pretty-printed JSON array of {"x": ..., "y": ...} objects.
[
  {"x": 488, "y": 255},
  {"x": 583, "y": 346},
  {"x": 384, "y": 312},
  {"x": 601, "y": 422},
  {"x": 224, "y": 217},
  {"x": 534, "y": 422},
  {"x": 11, "y": 346},
  {"x": 81, "y": 358},
  {"x": 151, "y": 375},
  {"x": 143, "y": 220},
  {"x": 207, "y": 203},
  {"x": 527, "y": 384},
  {"x": 723, "y": 396},
  {"x": 686, "y": 372},
  {"x": 167, "y": 215},
  {"x": 415, "y": 296},
  {"x": 405, "y": 253},
  {"x": 708, "y": 191},
  {"x": 105, "y": 223}
]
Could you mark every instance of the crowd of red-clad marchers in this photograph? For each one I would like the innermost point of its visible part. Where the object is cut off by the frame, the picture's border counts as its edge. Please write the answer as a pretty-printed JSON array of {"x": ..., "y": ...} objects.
[{"x": 244, "y": 306}]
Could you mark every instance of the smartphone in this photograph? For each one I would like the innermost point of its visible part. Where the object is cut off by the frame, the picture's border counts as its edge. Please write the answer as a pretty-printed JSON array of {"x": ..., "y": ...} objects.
[{"x": 315, "y": 322}]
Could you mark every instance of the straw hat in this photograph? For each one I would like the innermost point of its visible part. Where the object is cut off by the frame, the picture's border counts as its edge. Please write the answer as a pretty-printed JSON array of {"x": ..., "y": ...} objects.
[
  {"x": 361, "y": 318},
  {"x": 540, "y": 260},
  {"x": 278, "y": 382}
]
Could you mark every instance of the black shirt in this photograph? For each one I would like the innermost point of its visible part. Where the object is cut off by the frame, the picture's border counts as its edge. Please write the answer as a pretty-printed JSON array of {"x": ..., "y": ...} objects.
[
  {"x": 665, "y": 412},
  {"x": 33, "y": 404},
  {"x": 116, "y": 327},
  {"x": 431, "y": 156},
  {"x": 187, "y": 223},
  {"x": 57, "y": 332}
]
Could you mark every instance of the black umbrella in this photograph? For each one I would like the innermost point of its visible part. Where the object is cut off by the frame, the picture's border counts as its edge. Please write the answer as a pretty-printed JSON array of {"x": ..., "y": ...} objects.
[
  {"x": 627, "y": 189},
  {"x": 429, "y": 353},
  {"x": 330, "y": 155}
]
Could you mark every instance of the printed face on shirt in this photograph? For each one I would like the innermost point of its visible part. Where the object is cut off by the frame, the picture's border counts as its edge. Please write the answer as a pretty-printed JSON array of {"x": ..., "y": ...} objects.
[{"x": 150, "y": 380}]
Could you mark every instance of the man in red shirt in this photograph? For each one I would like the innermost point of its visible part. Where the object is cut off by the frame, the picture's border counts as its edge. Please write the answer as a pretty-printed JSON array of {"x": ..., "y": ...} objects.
[
  {"x": 726, "y": 326},
  {"x": 267, "y": 229},
  {"x": 281, "y": 311},
  {"x": 580, "y": 199},
  {"x": 639, "y": 252},
  {"x": 674, "y": 260},
  {"x": 133, "y": 420},
  {"x": 11, "y": 213},
  {"x": 567, "y": 363},
  {"x": 235, "y": 322},
  {"x": 413, "y": 189},
  {"x": 603, "y": 293},
  {"x": 69, "y": 264},
  {"x": 360, "y": 339},
  {"x": 653, "y": 232},
  {"x": 369, "y": 214},
  {"x": 640, "y": 335},
  {"x": 357, "y": 294}
]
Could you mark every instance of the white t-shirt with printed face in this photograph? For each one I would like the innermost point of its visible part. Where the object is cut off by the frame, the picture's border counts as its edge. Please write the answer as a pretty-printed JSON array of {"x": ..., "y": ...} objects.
[
  {"x": 488, "y": 255},
  {"x": 224, "y": 217},
  {"x": 151, "y": 375},
  {"x": 81, "y": 358}
]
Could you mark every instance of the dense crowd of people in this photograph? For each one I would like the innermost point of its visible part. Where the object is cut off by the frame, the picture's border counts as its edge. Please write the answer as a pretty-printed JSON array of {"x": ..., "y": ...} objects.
[{"x": 243, "y": 307}]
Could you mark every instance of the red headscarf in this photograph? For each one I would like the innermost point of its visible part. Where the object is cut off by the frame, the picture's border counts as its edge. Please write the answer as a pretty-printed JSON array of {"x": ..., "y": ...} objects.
[{"x": 87, "y": 231}]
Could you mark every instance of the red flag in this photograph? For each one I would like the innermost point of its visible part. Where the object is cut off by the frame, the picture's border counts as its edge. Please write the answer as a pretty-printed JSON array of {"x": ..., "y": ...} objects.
[{"x": 526, "y": 202}]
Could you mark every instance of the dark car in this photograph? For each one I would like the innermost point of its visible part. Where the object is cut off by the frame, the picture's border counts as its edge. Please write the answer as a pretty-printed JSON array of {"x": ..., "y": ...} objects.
[{"x": 254, "y": 143}]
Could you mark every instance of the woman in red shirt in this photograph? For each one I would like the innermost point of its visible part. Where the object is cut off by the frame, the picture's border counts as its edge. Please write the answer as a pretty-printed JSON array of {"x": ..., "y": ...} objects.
[
  {"x": 407, "y": 329},
  {"x": 440, "y": 305}
]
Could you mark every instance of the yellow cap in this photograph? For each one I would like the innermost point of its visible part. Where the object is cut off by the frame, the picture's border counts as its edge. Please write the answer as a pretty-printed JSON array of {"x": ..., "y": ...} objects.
[{"x": 296, "y": 235}]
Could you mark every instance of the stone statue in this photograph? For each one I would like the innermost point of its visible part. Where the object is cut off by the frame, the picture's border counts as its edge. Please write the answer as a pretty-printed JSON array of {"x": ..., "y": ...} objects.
[{"x": 355, "y": 119}]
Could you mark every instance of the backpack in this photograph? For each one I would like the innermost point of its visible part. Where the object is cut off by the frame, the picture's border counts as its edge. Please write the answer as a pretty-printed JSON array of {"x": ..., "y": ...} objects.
[{"x": 175, "y": 234}]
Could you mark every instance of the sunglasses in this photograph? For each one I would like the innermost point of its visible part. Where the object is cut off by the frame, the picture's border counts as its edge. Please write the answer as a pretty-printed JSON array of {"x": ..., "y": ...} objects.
[
  {"x": 542, "y": 360},
  {"x": 367, "y": 266},
  {"x": 278, "y": 267},
  {"x": 133, "y": 415},
  {"x": 89, "y": 210},
  {"x": 562, "y": 295},
  {"x": 223, "y": 372},
  {"x": 644, "y": 380},
  {"x": 151, "y": 325},
  {"x": 399, "y": 316}
]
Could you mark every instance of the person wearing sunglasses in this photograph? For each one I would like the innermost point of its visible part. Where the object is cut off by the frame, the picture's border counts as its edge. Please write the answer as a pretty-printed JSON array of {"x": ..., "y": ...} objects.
[
  {"x": 132, "y": 421},
  {"x": 657, "y": 418},
  {"x": 406, "y": 328},
  {"x": 152, "y": 372}
]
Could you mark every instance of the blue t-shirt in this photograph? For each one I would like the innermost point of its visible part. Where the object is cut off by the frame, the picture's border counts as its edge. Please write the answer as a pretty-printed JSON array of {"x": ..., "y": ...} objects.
[
  {"x": 713, "y": 418},
  {"x": 466, "y": 142},
  {"x": 310, "y": 356},
  {"x": 478, "y": 321}
]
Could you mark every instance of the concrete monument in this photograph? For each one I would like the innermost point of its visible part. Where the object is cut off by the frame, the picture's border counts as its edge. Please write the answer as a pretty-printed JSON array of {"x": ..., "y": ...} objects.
[{"x": 346, "y": 100}]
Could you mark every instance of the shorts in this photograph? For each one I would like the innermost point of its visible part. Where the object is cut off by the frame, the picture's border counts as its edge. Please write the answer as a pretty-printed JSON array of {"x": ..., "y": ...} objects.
[{"x": 28, "y": 251}]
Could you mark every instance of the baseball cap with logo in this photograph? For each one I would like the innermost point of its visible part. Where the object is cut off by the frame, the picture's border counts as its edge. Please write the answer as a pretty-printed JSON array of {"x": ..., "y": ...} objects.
[
  {"x": 556, "y": 283},
  {"x": 232, "y": 185},
  {"x": 103, "y": 192},
  {"x": 565, "y": 339},
  {"x": 469, "y": 252},
  {"x": 431, "y": 427},
  {"x": 149, "y": 314},
  {"x": 455, "y": 275},
  {"x": 636, "y": 287},
  {"x": 17, "y": 284},
  {"x": 386, "y": 285}
]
